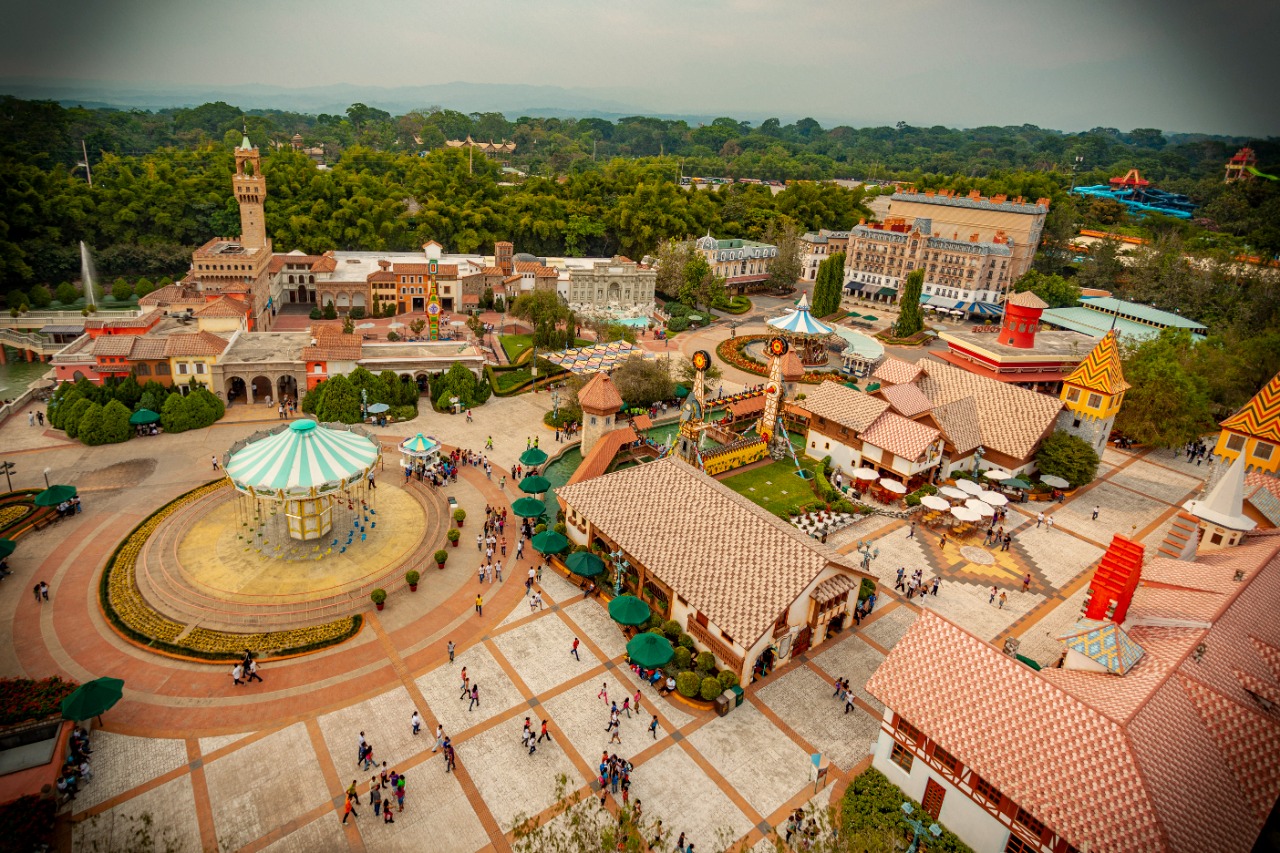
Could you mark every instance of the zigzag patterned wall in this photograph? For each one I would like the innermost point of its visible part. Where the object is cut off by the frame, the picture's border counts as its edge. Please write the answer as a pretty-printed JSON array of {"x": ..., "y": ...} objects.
[{"x": 1260, "y": 417}]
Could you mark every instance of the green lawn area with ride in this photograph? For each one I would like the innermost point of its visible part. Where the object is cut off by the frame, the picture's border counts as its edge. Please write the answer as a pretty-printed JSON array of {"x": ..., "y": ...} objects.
[
  {"x": 517, "y": 345},
  {"x": 776, "y": 486}
]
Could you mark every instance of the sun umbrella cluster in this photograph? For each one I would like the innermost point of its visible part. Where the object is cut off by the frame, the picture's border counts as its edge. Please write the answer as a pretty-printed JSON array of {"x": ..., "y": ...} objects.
[{"x": 597, "y": 357}]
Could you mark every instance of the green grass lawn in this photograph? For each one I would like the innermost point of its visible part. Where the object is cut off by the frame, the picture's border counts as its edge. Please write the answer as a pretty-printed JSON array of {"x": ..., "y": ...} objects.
[
  {"x": 516, "y": 345},
  {"x": 776, "y": 486}
]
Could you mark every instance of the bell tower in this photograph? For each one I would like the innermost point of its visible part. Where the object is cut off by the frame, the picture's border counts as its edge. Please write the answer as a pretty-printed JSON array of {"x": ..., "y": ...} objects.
[
  {"x": 1093, "y": 393},
  {"x": 251, "y": 191}
]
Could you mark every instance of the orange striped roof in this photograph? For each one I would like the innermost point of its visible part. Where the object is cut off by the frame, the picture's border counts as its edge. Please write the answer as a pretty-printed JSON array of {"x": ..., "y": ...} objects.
[
  {"x": 1100, "y": 371},
  {"x": 1260, "y": 417}
]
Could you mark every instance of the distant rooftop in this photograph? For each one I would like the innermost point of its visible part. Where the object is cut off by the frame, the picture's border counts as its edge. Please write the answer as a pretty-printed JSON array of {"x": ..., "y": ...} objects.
[
  {"x": 1095, "y": 317},
  {"x": 973, "y": 200}
]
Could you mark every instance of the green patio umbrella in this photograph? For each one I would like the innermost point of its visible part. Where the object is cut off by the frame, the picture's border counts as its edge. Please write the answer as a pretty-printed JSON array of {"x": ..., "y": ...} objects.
[
  {"x": 550, "y": 542},
  {"x": 533, "y": 456},
  {"x": 535, "y": 485},
  {"x": 143, "y": 416},
  {"x": 650, "y": 650},
  {"x": 55, "y": 495},
  {"x": 583, "y": 564},
  {"x": 1015, "y": 483},
  {"x": 871, "y": 317},
  {"x": 7, "y": 547},
  {"x": 529, "y": 507},
  {"x": 92, "y": 699},
  {"x": 682, "y": 391},
  {"x": 628, "y": 610}
]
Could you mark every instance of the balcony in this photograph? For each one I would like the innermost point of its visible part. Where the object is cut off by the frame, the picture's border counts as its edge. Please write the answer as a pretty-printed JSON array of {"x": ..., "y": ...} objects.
[{"x": 723, "y": 652}]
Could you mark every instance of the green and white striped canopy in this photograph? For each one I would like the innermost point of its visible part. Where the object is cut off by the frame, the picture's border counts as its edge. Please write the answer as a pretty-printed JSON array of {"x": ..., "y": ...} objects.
[
  {"x": 303, "y": 460},
  {"x": 419, "y": 445}
]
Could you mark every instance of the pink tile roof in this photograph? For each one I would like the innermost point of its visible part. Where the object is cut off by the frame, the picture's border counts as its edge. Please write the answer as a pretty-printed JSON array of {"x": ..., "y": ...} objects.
[
  {"x": 895, "y": 371},
  {"x": 900, "y": 436},
  {"x": 194, "y": 344},
  {"x": 844, "y": 406},
  {"x": 1011, "y": 420},
  {"x": 907, "y": 400}
]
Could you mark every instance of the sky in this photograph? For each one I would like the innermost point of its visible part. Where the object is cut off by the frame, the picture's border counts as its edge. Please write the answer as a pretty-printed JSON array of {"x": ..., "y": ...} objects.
[{"x": 1068, "y": 64}]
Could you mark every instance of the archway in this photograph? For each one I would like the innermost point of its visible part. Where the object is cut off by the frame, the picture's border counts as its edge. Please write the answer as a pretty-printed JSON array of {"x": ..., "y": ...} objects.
[
  {"x": 423, "y": 382},
  {"x": 235, "y": 389},
  {"x": 357, "y": 300},
  {"x": 303, "y": 295},
  {"x": 615, "y": 291},
  {"x": 287, "y": 387},
  {"x": 261, "y": 389},
  {"x": 343, "y": 301}
]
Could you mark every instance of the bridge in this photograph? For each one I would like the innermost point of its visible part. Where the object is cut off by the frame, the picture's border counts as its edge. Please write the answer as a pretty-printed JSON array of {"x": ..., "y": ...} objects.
[
  {"x": 32, "y": 345},
  {"x": 33, "y": 320}
]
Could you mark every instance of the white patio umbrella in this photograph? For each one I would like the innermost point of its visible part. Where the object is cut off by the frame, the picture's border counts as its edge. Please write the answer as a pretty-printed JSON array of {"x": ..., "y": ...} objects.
[
  {"x": 952, "y": 492},
  {"x": 365, "y": 326},
  {"x": 1055, "y": 482},
  {"x": 893, "y": 486},
  {"x": 865, "y": 474},
  {"x": 965, "y": 513},
  {"x": 996, "y": 474},
  {"x": 396, "y": 325},
  {"x": 969, "y": 487},
  {"x": 934, "y": 502},
  {"x": 993, "y": 498},
  {"x": 982, "y": 509}
]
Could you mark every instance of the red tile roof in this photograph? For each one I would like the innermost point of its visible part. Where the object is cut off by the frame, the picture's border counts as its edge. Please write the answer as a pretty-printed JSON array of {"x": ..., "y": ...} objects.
[
  {"x": 900, "y": 436},
  {"x": 147, "y": 348},
  {"x": 224, "y": 306},
  {"x": 601, "y": 455},
  {"x": 895, "y": 371},
  {"x": 536, "y": 268},
  {"x": 600, "y": 395},
  {"x": 194, "y": 344}
]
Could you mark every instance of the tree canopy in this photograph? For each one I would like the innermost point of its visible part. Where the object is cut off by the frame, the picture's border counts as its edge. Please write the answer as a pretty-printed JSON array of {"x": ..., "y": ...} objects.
[
  {"x": 829, "y": 286},
  {"x": 1069, "y": 457}
]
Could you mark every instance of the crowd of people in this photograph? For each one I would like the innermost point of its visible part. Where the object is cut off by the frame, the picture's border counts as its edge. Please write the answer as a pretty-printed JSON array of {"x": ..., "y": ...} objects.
[{"x": 75, "y": 769}]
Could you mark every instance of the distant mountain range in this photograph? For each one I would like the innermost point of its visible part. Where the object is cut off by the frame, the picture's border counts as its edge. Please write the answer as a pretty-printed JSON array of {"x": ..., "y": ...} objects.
[{"x": 511, "y": 100}]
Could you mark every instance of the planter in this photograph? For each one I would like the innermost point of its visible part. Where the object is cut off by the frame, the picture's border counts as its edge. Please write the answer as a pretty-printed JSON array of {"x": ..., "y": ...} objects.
[
  {"x": 458, "y": 521},
  {"x": 413, "y": 587},
  {"x": 440, "y": 566},
  {"x": 455, "y": 542},
  {"x": 380, "y": 605}
]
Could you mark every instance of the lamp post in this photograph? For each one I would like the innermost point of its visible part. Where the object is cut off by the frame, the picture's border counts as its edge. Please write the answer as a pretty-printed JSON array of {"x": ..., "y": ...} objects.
[
  {"x": 977, "y": 459},
  {"x": 555, "y": 403},
  {"x": 918, "y": 828},
  {"x": 8, "y": 468},
  {"x": 868, "y": 553},
  {"x": 46, "y": 477},
  {"x": 620, "y": 565},
  {"x": 364, "y": 403}
]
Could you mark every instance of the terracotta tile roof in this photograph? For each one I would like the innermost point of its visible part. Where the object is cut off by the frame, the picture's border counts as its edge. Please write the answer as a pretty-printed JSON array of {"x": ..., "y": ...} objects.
[
  {"x": 642, "y": 422},
  {"x": 492, "y": 271},
  {"x": 1101, "y": 371},
  {"x": 895, "y": 371},
  {"x": 900, "y": 436},
  {"x": 225, "y": 306},
  {"x": 844, "y": 406},
  {"x": 750, "y": 406},
  {"x": 792, "y": 367},
  {"x": 194, "y": 343},
  {"x": 326, "y": 263},
  {"x": 959, "y": 423},
  {"x": 409, "y": 269},
  {"x": 600, "y": 395},
  {"x": 147, "y": 348},
  {"x": 834, "y": 585},
  {"x": 470, "y": 299},
  {"x": 737, "y": 563},
  {"x": 332, "y": 345},
  {"x": 146, "y": 321},
  {"x": 1108, "y": 759},
  {"x": 1260, "y": 417},
  {"x": 1027, "y": 299},
  {"x": 381, "y": 275},
  {"x": 1011, "y": 420},
  {"x": 598, "y": 460},
  {"x": 536, "y": 268},
  {"x": 170, "y": 294},
  {"x": 113, "y": 345},
  {"x": 907, "y": 400}
]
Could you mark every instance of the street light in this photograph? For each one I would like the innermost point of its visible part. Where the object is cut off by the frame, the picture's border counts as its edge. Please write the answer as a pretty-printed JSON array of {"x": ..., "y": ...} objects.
[
  {"x": 9, "y": 467},
  {"x": 977, "y": 459},
  {"x": 868, "y": 553},
  {"x": 46, "y": 477},
  {"x": 917, "y": 828},
  {"x": 620, "y": 565}
]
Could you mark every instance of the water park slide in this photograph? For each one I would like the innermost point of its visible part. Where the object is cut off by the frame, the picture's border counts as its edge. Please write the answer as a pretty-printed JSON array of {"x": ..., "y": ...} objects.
[{"x": 1252, "y": 171}]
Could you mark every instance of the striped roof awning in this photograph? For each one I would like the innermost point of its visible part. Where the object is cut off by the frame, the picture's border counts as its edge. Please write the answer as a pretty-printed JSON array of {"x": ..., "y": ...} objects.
[
  {"x": 302, "y": 460},
  {"x": 985, "y": 309}
]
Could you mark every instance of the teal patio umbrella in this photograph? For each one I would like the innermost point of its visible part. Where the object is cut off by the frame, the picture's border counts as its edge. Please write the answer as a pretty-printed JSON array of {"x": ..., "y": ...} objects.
[
  {"x": 1015, "y": 483},
  {"x": 681, "y": 391},
  {"x": 533, "y": 456},
  {"x": 650, "y": 650},
  {"x": 378, "y": 408},
  {"x": 55, "y": 495},
  {"x": 628, "y": 610},
  {"x": 535, "y": 485},
  {"x": 527, "y": 507},
  {"x": 7, "y": 547},
  {"x": 143, "y": 416},
  {"x": 550, "y": 542},
  {"x": 583, "y": 564},
  {"x": 92, "y": 699}
]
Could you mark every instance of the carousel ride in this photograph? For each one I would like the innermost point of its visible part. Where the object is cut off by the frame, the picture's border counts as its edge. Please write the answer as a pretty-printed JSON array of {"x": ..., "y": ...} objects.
[{"x": 807, "y": 336}]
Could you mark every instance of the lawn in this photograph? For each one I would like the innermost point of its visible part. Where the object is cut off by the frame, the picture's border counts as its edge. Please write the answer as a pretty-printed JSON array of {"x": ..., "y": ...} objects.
[
  {"x": 516, "y": 345},
  {"x": 776, "y": 486}
]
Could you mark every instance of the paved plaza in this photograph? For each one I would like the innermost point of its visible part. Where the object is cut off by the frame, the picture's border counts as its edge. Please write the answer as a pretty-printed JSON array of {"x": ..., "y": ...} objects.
[{"x": 209, "y": 766}]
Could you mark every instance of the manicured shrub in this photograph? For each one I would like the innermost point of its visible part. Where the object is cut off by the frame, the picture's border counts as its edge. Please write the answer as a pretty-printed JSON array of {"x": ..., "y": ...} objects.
[
  {"x": 686, "y": 641},
  {"x": 412, "y": 577},
  {"x": 710, "y": 689},
  {"x": 727, "y": 679},
  {"x": 671, "y": 628},
  {"x": 441, "y": 556},
  {"x": 706, "y": 661},
  {"x": 688, "y": 684},
  {"x": 316, "y": 314},
  {"x": 682, "y": 659},
  {"x": 378, "y": 596}
]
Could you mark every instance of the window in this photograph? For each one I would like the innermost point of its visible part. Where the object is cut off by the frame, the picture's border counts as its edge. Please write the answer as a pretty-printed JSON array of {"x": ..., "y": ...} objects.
[
  {"x": 902, "y": 756},
  {"x": 908, "y": 731},
  {"x": 984, "y": 790},
  {"x": 1017, "y": 845},
  {"x": 1073, "y": 396},
  {"x": 1262, "y": 451},
  {"x": 183, "y": 368},
  {"x": 1216, "y": 538},
  {"x": 1235, "y": 442},
  {"x": 1025, "y": 818},
  {"x": 1095, "y": 400},
  {"x": 1076, "y": 423},
  {"x": 200, "y": 367},
  {"x": 946, "y": 759},
  {"x": 162, "y": 369}
]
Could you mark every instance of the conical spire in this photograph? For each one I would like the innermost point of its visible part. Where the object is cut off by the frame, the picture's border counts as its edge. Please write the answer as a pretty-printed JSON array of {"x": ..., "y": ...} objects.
[
  {"x": 244, "y": 141},
  {"x": 1224, "y": 505}
]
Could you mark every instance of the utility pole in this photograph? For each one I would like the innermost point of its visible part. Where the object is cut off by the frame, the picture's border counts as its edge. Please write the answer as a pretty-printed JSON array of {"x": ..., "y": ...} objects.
[
  {"x": 471, "y": 156},
  {"x": 87, "y": 172}
]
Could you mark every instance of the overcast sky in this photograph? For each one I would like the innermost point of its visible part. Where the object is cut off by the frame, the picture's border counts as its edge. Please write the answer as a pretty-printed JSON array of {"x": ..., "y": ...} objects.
[{"x": 1068, "y": 64}]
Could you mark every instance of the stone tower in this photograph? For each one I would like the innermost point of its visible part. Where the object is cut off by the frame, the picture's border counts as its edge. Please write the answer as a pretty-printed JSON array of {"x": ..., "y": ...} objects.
[
  {"x": 1021, "y": 319},
  {"x": 251, "y": 191},
  {"x": 600, "y": 402},
  {"x": 1093, "y": 393}
]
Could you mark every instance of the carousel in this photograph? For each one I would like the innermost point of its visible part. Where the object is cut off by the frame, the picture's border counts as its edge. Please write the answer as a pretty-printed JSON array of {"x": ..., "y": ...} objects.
[
  {"x": 419, "y": 452},
  {"x": 807, "y": 336},
  {"x": 293, "y": 481}
]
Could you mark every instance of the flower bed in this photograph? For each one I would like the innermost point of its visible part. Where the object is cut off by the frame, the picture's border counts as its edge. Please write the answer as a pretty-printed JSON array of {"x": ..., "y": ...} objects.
[
  {"x": 23, "y": 699},
  {"x": 733, "y": 352},
  {"x": 131, "y": 616}
]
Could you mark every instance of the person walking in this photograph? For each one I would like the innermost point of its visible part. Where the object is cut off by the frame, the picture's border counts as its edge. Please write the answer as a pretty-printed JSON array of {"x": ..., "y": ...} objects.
[
  {"x": 911, "y": 534},
  {"x": 497, "y": 572},
  {"x": 479, "y": 605},
  {"x": 439, "y": 737},
  {"x": 574, "y": 650},
  {"x": 450, "y": 757},
  {"x": 942, "y": 542},
  {"x": 372, "y": 483},
  {"x": 253, "y": 672},
  {"x": 1048, "y": 522},
  {"x": 466, "y": 685},
  {"x": 991, "y": 599},
  {"x": 1003, "y": 596},
  {"x": 215, "y": 462},
  {"x": 475, "y": 696},
  {"x": 360, "y": 745},
  {"x": 1039, "y": 518},
  {"x": 386, "y": 812},
  {"x": 626, "y": 706},
  {"x": 375, "y": 797},
  {"x": 937, "y": 582},
  {"x": 544, "y": 733},
  {"x": 237, "y": 673},
  {"x": 400, "y": 792},
  {"x": 35, "y": 590},
  {"x": 1008, "y": 538},
  {"x": 44, "y": 590},
  {"x": 1026, "y": 581},
  {"x": 450, "y": 647},
  {"x": 349, "y": 809},
  {"x": 604, "y": 692},
  {"x": 1095, "y": 512},
  {"x": 479, "y": 541},
  {"x": 415, "y": 722},
  {"x": 653, "y": 727}
]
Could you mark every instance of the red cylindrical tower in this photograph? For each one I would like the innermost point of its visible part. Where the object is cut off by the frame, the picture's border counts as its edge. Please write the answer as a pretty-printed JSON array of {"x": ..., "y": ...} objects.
[{"x": 1021, "y": 319}]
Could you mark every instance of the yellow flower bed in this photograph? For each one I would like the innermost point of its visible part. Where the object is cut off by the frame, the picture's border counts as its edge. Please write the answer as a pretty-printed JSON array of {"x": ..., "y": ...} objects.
[
  {"x": 124, "y": 599},
  {"x": 12, "y": 513}
]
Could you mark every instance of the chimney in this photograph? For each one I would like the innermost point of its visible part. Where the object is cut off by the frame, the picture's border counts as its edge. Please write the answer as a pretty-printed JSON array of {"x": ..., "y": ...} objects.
[
  {"x": 1042, "y": 202},
  {"x": 973, "y": 238},
  {"x": 384, "y": 265},
  {"x": 999, "y": 199},
  {"x": 975, "y": 194}
]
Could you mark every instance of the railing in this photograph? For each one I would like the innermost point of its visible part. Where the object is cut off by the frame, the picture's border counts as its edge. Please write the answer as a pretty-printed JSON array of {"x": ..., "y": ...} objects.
[
  {"x": 24, "y": 341},
  {"x": 715, "y": 645}
]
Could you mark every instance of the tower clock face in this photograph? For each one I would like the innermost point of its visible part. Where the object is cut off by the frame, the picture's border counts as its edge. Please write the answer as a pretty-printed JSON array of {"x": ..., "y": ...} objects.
[
  {"x": 777, "y": 347},
  {"x": 433, "y": 267},
  {"x": 701, "y": 360},
  {"x": 433, "y": 309}
]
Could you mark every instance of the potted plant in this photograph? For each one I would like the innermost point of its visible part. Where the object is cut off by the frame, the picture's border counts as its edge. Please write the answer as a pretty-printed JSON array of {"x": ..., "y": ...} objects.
[
  {"x": 379, "y": 597},
  {"x": 412, "y": 577},
  {"x": 453, "y": 536},
  {"x": 441, "y": 556},
  {"x": 459, "y": 515}
]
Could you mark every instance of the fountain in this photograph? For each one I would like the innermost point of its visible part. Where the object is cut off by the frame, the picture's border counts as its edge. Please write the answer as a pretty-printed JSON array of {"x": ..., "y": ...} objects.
[{"x": 88, "y": 275}]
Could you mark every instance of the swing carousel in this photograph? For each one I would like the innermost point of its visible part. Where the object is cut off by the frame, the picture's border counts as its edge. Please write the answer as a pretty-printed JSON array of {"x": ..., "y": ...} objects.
[
  {"x": 807, "y": 336},
  {"x": 296, "y": 482}
]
